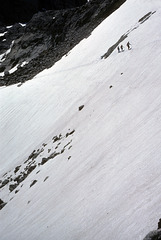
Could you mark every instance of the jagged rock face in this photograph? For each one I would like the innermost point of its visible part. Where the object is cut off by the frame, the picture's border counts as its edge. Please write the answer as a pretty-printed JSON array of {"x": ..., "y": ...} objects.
[
  {"x": 47, "y": 37},
  {"x": 153, "y": 235},
  {"x": 22, "y": 10},
  {"x": 60, "y": 4},
  {"x": 16, "y": 11}
]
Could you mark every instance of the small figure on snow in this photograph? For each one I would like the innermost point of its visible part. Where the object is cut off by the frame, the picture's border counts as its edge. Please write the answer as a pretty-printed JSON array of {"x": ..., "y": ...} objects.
[
  {"x": 128, "y": 46},
  {"x": 122, "y": 48},
  {"x": 118, "y": 48}
]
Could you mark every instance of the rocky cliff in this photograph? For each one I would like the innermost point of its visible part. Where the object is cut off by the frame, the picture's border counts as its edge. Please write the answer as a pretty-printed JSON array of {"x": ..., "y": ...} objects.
[
  {"x": 22, "y": 10},
  {"x": 28, "y": 49}
]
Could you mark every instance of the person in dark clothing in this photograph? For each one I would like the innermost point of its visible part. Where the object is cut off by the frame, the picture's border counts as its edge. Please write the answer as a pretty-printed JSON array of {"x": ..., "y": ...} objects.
[
  {"x": 122, "y": 48},
  {"x": 128, "y": 46},
  {"x": 118, "y": 48}
]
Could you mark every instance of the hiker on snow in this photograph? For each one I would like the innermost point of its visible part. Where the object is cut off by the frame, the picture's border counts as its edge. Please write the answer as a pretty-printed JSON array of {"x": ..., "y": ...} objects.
[
  {"x": 118, "y": 48},
  {"x": 128, "y": 46},
  {"x": 122, "y": 48}
]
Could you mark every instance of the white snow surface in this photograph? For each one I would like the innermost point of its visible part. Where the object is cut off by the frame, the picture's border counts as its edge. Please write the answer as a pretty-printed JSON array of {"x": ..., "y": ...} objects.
[
  {"x": 23, "y": 24},
  {"x": 24, "y": 63},
  {"x": 8, "y": 27},
  {"x": 107, "y": 184},
  {"x": 12, "y": 70},
  {"x": 2, "y": 34}
]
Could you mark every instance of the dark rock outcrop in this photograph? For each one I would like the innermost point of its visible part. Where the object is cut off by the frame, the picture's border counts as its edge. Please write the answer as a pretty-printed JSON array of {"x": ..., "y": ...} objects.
[
  {"x": 159, "y": 224},
  {"x": 33, "y": 183},
  {"x": 81, "y": 107},
  {"x": 11, "y": 180},
  {"x": 53, "y": 155},
  {"x": 3, "y": 183},
  {"x": 17, "y": 169},
  {"x": 153, "y": 235},
  {"x": 2, "y": 204},
  {"x": 22, "y": 10},
  {"x": 12, "y": 187},
  {"x": 69, "y": 133},
  {"x": 48, "y": 36},
  {"x": 156, "y": 234}
]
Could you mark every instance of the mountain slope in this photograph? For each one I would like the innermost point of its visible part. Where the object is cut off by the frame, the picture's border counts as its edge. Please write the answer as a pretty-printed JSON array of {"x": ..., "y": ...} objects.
[
  {"x": 27, "y": 49},
  {"x": 82, "y": 139}
]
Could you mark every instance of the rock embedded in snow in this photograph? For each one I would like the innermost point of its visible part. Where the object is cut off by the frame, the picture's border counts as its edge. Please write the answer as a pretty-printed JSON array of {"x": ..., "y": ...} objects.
[
  {"x": 12, "y": 187},
  {"x": 81, "y": 107},
  {"x": 33, "y": 183},
  {"x": 17, "y": 169},
  {"x": 2, "y": 204},
  {"x": 46, "y": 178},
  {"x": 3, "y": 183}
]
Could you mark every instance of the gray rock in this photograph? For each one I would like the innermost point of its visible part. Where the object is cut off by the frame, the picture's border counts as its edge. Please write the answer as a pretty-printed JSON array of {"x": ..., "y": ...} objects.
[
  {"x": 153, "y": 235},
  {"x": 45, "y": 39},
  {"x": 34, "y": 181},
  {"x": 12, "y": 187},
  {"x": 2, "y": 204},
  {"x": 81, "y": 107}
]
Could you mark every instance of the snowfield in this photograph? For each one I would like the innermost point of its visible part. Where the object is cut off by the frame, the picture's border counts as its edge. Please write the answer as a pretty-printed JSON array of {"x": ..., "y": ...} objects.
[{"x": 95, "y": 173}]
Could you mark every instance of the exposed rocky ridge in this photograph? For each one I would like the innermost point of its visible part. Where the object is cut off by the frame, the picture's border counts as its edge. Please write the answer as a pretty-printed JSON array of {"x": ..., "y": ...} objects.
[
  {"x": 23, "y": 10},
  {"x": 153, "y": 235},
  {"x": 47, "y": 37}
]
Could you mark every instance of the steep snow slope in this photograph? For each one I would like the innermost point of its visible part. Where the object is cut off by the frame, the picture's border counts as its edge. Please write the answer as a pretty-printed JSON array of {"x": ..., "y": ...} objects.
[{"x": 96, "y": 171}]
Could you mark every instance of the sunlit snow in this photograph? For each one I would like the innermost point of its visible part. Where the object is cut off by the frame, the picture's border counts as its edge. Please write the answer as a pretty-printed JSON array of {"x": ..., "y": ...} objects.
[
  {"x": 10, "y": 26},
  {"x": 107, "y": 184},
  {"x": 2, "y": 34},
  {"x": 12, "y": 70},
  {"x": 23, "y": 24},
  {"x": 24, "y": 63}
]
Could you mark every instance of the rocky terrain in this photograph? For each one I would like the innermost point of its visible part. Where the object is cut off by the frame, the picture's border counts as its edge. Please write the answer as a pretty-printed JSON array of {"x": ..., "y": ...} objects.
[
  {"x": 12, "y": 181},
  {"x": 23, "y": 10},
  {"x": 153, "y": 235},
  {"x": 27, "y": 49}
]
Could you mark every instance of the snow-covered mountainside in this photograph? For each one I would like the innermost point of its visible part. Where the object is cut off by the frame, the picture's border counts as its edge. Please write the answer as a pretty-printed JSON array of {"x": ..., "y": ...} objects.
[
  {"x": 80, "y": 142},
  {"x": 28, "y": 49}
]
